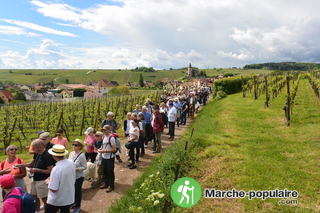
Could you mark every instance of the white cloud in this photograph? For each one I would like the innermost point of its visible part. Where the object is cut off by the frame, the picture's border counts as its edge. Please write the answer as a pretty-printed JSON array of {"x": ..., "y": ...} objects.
[
  {"x": 9, "y": 30},
  {"x": 166, "y": 34},
  {"x": 162, "y": 55},
  {"x": 38, "y": 27},
  {"x": 121, "y": 54}
]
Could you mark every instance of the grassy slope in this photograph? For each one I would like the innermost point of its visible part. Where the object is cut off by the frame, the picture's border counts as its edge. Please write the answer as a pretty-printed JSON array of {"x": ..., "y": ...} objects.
[
  {"x": 82, "y": 76},
  {"x": 123, "y": 76},
  {"x": 251, "y": 148}
]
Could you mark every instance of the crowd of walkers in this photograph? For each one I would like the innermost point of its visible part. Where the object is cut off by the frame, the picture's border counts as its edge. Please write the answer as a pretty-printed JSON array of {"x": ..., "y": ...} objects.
[{"x": 57, "y": 179}]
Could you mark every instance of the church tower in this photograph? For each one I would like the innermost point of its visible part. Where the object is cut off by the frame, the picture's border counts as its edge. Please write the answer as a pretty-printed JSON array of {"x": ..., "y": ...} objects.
[{"x": 189, "y": 71}]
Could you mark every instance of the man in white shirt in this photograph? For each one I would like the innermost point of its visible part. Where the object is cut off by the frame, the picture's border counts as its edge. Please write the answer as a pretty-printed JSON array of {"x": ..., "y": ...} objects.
[
  {"x": 172, "y": 117},
  {"x": 61, "y": 182},
  {"x": 108, "y": 150}
]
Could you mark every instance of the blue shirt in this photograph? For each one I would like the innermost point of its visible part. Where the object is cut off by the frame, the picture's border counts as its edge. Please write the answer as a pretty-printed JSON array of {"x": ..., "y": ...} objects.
[
  {"x": 177, "y": 105},
  {"x": 146, "y": 117}
]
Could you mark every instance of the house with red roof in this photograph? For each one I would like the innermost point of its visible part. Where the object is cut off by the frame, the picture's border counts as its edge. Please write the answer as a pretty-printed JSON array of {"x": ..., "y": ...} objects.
[
  {"x": 6, "y": 96},
  {"x": 103, "y": 86}
]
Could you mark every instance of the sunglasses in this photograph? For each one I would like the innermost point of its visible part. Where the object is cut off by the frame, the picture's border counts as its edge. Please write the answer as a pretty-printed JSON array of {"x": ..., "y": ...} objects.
[
  {"x": 58, "y": 134},
  {"x": 76, "y": 145},
  {"x": 13, "y": 149}
]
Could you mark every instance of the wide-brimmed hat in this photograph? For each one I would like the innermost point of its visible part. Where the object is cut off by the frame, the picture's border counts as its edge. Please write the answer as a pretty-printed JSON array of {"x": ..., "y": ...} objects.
[
  {"x": 58, "y": 150},
  {"x": 7, "y": 181},
  {"x": 89, "y": 130},
  {"x": 79, "y": 141},
  {"x": 99, "y": 133}
]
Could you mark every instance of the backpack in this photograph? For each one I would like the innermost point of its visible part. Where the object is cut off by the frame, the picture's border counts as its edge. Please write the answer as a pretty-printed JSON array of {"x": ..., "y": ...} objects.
[
  {"x": 117, "y": 139},
  {"x": 164, "y": 118},
  {"x": 28, "y": 203}
]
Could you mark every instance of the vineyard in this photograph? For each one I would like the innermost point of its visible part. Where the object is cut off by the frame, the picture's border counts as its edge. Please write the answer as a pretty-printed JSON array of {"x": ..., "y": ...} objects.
[
  {"x": 21, "y": 122},
  {"x": 245, "y": 141}
]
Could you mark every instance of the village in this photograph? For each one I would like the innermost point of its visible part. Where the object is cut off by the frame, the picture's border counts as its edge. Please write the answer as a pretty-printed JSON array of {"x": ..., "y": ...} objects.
[{"x": 99, "y": 88}]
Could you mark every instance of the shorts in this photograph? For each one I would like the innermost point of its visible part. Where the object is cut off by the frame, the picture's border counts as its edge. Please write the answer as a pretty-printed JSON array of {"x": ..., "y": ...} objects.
[{"x": 39, "y": 188}]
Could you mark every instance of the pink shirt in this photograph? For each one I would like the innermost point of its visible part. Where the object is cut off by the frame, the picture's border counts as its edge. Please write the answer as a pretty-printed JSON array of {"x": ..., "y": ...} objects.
[
  {"x": 90, "y": 140},
  {"x": 14, "y": 171},
  {"x": 63, "y": 141},
  {"x": 12, "y": 205}
]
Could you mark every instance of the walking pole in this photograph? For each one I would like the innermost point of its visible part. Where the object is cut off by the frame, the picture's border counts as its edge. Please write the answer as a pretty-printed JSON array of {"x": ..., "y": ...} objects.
[{"x": 192, "y": 195}]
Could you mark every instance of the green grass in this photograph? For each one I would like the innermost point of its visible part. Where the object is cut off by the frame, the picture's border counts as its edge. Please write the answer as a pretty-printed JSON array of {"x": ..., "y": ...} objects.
[
  {"x": 255, "y": 150},
  {"x": 84, "y": 76}
]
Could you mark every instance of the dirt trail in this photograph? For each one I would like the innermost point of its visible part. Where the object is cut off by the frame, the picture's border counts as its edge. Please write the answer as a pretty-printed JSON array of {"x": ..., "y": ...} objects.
[{"x": 98, "y": 201}]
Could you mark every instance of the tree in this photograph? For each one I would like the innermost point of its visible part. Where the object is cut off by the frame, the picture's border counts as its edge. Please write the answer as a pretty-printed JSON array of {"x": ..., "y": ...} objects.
[
  {"x": 119, "y": 90},
  {"x": 19, "y": 96},
  {"x": 1, "y": 84},
  {"x": 193, "y": 73},
  {"x": 67, "y": 81},
  {"x": 141, "y": 81},
  {"x": 158, "y": 84},
  {"x": 79, "y": 92},
  {"x": 1, "y": 101},
  {"x": 51, "y": 85}
]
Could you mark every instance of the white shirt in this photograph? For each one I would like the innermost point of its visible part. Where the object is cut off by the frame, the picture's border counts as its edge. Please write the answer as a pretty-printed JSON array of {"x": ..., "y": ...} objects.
[
  {"x": 62, "y": 179},
  {"x": 171, "y": 113},
  {"x": 133, "y": 132},
  {"x": 106, "y": 146}
]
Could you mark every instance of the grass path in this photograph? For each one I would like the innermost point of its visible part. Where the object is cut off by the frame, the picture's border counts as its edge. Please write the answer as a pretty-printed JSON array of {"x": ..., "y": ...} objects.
[{"x": 251, "y": 148}]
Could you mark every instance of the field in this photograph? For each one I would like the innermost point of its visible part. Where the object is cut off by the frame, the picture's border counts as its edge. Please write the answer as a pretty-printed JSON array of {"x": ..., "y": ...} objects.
[
  {"x": 123, "y": 76},
  {"x": 84, "y": 76}
]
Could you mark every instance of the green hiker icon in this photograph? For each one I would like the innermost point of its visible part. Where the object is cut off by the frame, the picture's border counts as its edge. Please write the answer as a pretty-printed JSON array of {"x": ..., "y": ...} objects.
[{"x": 186, "y": 192}]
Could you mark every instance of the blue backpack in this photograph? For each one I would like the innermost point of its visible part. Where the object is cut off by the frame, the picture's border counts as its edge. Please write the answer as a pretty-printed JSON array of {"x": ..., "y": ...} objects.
[{"x": 28, "y": 203}]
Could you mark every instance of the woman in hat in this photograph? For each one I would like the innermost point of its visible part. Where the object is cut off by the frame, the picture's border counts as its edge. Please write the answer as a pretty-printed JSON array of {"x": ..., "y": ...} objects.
[
  {"x": 79, "y": 159},
  {"x": 90, "y": 142},
  {"x": 18, "y": 173}
]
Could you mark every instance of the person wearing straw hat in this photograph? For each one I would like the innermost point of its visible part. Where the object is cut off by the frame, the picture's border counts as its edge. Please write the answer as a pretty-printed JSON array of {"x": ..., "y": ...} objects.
[
  {"x": 79, "y": 159},
  {"x": 61, "y": 182}
]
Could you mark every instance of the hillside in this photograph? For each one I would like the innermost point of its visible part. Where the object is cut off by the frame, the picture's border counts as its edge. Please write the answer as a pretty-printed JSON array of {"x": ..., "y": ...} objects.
[{"x": 122, "y": 76}]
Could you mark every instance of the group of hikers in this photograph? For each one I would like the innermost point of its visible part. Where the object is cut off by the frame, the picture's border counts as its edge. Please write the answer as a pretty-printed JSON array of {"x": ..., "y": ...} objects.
[{"x": 57, "y": 179}]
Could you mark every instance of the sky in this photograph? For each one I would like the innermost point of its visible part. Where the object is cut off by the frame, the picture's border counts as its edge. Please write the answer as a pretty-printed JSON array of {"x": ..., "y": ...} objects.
[{"x": 163, "y": 34}]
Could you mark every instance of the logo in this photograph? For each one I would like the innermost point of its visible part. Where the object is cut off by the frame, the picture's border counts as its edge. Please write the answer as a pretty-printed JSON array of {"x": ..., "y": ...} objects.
[{"x": 186, "y": 192}]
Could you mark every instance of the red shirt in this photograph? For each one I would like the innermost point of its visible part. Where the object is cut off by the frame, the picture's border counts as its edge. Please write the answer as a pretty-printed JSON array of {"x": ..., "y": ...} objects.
[{"x": 157, "y": 122}]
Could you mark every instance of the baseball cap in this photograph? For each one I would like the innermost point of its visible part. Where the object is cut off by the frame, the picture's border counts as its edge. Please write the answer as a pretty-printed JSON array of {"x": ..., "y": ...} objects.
[{"x": 7, "y": 181}]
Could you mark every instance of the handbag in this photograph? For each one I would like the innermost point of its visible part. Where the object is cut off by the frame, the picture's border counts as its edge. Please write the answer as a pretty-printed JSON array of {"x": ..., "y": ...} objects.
[
  {"x": 129, "y": 144},
  {"x": 98, "y": 159}
]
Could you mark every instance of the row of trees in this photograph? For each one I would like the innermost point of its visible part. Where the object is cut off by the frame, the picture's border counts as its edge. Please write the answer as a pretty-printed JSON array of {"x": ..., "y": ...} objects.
[
  {"x": 285, "y": 66},
  {"x": 143, "y": 69}
]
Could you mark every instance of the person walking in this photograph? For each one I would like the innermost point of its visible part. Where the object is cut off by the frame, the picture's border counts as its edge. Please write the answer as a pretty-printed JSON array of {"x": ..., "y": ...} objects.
[
  {"x": 107, "y": 151},
  {"x": 157, "y": 127},
  {"x": 184, "y": 111},
  {"x": 134, "y": 137},
  {"x": 61, "y": 182},
  {"x": 114, "y": 127},
  {"x": 79, "y": 159},
  {"x": 172, "y": 117},
  {"x": 90, "y": 141}
]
